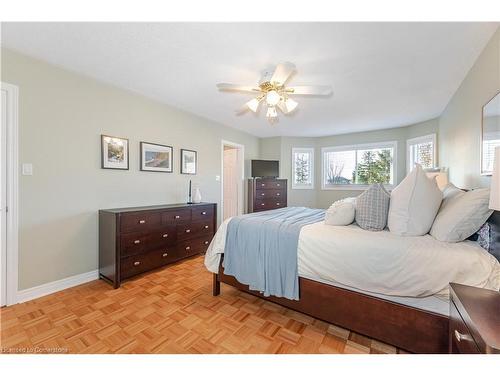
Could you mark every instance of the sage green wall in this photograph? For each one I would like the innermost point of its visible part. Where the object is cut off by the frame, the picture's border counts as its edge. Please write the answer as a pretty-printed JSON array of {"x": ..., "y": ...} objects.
[
  {"x": 460, "y": 122},
  {"x": 324, "y": 198},
  {"x": 61, "y": 118}
]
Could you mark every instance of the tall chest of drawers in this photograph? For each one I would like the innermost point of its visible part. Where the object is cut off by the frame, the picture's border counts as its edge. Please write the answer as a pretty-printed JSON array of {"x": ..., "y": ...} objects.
[
  {"x": 138, "y": 239},
  {"x": 266, "y": 194}
]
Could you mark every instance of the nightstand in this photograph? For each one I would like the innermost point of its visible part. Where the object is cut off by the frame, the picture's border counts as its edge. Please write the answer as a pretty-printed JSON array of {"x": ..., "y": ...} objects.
[{"x": 474, "y": 320}]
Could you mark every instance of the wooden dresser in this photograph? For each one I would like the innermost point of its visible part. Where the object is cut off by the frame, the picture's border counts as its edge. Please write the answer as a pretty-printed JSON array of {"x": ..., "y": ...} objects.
[
  {"x": 138, "y": 239},
  {"x": 266, "y": 194},
  {"x": 474, "y": 320}
]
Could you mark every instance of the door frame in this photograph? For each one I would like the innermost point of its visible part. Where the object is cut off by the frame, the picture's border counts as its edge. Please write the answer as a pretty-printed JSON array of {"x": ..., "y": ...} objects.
[
  {"x": 12, "y": 204},
  {"x": 241, "y": 192}
]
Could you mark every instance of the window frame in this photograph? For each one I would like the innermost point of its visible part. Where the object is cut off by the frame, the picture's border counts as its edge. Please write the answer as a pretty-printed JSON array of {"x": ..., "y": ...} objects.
[
  {"x": 422, "y": 139},
  {"x": 357, "y": 147},
  {"x": 311, "y": 151}
]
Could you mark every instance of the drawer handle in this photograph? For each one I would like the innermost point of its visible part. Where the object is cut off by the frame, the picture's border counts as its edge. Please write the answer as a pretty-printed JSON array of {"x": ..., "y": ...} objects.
[
  {"x": 262, "y": 204},
  {"x": 137, "y": 241},
  {"x": 188, "y": 247},
  {"x": 164, "y": 255},
  {"x": 278, "y": 194},
  {"x": 137, "y": 263},
  {"x": 277, "y": 204},
  {"x": 206, "y": 227},
  {"x": 177, "y": 217},
  {"x": 188, "y": 230},
  {"x": 206, "y": 242},
  {"x": 460, "y": 336},
  {"x": 142, "y": 221},
  {"x": 165, "y": 235},
  {"x": 262, "y": 184},
  {"x": 204, "y": 213}
]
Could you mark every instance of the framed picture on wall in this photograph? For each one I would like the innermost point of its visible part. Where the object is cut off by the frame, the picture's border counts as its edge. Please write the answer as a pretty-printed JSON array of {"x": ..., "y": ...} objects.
[
  {"x": 114, "y": 152},
  {"x": 156, "y": 158},
  {"x": 188, "y": 162}
]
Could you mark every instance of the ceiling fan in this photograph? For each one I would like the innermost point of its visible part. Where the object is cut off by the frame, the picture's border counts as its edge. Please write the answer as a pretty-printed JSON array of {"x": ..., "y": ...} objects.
[{"x": 272, "y": 90}]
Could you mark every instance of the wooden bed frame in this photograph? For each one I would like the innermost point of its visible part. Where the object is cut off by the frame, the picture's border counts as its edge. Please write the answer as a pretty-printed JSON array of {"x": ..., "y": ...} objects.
[{"x": 406, "y": 327}]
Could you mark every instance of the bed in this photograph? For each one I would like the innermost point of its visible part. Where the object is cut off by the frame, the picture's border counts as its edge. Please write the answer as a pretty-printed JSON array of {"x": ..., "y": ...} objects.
[{"x": 391, "y": 288}]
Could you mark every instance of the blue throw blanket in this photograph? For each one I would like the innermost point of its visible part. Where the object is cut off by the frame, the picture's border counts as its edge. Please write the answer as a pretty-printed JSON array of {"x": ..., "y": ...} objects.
[{"x": 261, "y": 249}]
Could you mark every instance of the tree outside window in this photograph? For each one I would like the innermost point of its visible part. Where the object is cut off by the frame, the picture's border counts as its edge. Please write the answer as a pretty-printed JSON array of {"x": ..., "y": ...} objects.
[{"x": 358, "y": 165}]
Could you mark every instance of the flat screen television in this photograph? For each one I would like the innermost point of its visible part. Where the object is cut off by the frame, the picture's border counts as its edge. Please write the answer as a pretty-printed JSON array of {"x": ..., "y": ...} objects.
[{"x": 265, "y": 168}]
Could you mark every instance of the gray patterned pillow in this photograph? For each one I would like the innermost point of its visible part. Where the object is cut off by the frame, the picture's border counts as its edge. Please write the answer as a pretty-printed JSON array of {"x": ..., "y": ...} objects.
[{"x": 372, "y": 208}]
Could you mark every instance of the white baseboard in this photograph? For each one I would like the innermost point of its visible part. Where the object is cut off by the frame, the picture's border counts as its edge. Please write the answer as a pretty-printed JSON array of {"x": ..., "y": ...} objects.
[{"x": 55, "y": 286}]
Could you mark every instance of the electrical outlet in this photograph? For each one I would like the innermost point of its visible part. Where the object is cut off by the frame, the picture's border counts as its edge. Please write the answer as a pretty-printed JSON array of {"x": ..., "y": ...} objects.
[{"x": 217, "y": 178}]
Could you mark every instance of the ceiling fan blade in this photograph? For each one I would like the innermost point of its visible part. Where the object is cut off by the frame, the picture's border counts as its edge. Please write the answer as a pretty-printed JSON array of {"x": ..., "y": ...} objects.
[
  {"x": 282, "y": 72},
  {"x": 235, "y": 87},
  {"x": 310, "y": 90}
]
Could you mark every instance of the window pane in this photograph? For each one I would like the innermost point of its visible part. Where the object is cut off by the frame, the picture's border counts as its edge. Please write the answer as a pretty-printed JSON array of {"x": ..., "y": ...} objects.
[
  {"x": 424, "y": 154},
  {"x": 489, "y": 153},
  {"x": 340, "y": 167},
  {"x": 374, "y": 166},
  {"x": 302, "y": 168},
  {"x": 421, "y": 151}
]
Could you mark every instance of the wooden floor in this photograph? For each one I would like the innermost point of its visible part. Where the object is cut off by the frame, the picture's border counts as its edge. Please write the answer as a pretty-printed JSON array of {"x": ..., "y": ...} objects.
[{"x": 169, "y": 311}]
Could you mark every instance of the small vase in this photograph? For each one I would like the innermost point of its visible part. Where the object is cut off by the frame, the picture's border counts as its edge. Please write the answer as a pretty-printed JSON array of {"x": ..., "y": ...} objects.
[{"x": 196, "y": 195}]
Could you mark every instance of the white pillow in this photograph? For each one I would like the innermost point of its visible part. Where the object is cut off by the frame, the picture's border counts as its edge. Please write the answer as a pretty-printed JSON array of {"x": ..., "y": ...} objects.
[
  {"x": 450, "y": 191},
  {"x": 414, "y": 204},
  {"x": 461, "y": 215},
  {"x": 341, "y": 212}
]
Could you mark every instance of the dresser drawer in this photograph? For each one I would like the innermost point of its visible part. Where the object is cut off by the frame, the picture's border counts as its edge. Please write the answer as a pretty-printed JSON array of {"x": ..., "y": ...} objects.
[
  {"x": 269, "y": 193},
  {"x": 134, "y": 243},
  {"x": 202, "y": 213},
  {"x": 165, "y": 236},
  {"x": 195, "y": 229},
  {"x": 267, "y": 204},
  {"x": 136, "y": 264},
  {"x": 140, "y": 242},
  {"x": 177, "y": 216},
  {"x": 461, "y": 340},
  {"x": 194, "y": 246},
  {"x": 269, "y": 184},
  {"x": 139, "y": 221}
]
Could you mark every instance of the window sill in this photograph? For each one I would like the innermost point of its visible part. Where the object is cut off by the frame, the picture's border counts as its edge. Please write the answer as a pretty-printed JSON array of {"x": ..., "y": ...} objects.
[
  {"x": 353, "y": 187},
  {"x": 308, "y": 187}
]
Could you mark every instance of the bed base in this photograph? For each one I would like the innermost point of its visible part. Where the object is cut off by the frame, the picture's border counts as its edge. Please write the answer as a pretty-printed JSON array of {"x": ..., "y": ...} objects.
[{"x": 408, "y": 328}]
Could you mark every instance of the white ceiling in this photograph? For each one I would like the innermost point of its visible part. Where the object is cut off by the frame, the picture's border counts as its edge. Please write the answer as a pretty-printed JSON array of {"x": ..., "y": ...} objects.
[{"x": 383, "y": 74}]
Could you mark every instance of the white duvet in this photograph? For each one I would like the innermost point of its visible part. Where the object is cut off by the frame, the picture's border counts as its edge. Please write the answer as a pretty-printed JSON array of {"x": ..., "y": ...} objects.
[{"x": 382, "y": 262}]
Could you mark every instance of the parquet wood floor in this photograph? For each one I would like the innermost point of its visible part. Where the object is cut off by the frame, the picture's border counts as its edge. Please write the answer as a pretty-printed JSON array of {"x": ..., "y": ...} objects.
[{"x": 170, "y": 310}]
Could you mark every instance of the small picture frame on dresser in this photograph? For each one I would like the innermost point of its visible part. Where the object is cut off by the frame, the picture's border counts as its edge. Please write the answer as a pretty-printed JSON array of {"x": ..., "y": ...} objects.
[
  {"x": 114, "y": 152},
  {"x": 189, "y": 161}
]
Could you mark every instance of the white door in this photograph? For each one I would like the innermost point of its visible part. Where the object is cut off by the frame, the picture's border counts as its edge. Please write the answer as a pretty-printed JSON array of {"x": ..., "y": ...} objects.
[
  {"x": 3, "y": 201},
  {"x": 231, "y": 182},
  {"x": 233, "y": 172}
]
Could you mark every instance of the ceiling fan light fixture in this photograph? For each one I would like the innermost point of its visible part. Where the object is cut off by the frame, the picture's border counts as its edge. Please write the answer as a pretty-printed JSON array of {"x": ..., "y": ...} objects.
[
  {"x": 253, "y": 104},
  {"x": 271, "y": 112},
  {"x": 290, "y": 105},
  {"x": 274, "y": 92},
  {"x": 273, "y": 98}
]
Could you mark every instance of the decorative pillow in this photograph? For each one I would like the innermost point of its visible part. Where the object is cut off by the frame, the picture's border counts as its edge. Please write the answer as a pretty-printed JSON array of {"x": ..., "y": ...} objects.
[
  {"x": 372, "y": 208},
  {"x": 461, "y": 216},
  {"x": 483, "y": 236},
  {"x": 494, "y": 225},
  {"x": 341, "y": 212},
  {"x": 414, "y": 204},
  {"x": 450, "y": 191}
]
